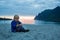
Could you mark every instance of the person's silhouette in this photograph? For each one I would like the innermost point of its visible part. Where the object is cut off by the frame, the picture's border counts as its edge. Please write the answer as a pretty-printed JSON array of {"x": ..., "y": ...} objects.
[{"x": 16, "y": 25}]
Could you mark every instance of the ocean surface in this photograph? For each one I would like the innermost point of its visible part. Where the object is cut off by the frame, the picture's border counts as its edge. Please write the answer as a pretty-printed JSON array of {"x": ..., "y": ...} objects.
[{"x": 39, "y": 30}]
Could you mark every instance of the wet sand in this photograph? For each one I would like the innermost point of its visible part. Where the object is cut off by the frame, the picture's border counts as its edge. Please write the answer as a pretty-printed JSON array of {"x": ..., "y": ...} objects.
[{"x": 37, "y": 32}]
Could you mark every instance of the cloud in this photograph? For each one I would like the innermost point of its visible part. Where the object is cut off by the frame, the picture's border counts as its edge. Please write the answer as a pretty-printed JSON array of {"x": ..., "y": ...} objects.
[
  {"x": 36, "y": 6},
  {"x": 27, "y": 6},
  {"x": 22, "y": 1},
  {"x": 2, "y": 2}
]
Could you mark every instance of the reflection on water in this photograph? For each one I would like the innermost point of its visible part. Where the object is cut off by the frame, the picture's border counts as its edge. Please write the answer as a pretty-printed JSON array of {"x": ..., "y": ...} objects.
[
  {"x": 5, "y": 21},
  {"x": 25, "y": 21},
  {"x": 28, "y": 21},
  {"x": 37, "y": 22},
  {"x": 43, "y": 22}
]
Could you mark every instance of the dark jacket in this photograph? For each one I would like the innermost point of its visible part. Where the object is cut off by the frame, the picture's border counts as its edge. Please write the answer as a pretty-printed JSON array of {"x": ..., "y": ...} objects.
[{"x": 13, "y": 25}]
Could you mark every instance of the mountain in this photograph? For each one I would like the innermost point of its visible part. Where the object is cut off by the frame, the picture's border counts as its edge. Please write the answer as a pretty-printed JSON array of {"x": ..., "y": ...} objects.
[{"x": 49, "y": 15}]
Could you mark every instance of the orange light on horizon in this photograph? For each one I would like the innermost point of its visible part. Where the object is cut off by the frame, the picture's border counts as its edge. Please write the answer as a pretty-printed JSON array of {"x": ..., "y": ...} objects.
[
  {"x": 27, "y": 19},
  {"x": 23, "y": 19}
]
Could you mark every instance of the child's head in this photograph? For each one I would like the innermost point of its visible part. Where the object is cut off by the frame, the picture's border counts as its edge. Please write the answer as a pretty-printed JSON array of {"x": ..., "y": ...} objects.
[{"x": 16, "y": 18}]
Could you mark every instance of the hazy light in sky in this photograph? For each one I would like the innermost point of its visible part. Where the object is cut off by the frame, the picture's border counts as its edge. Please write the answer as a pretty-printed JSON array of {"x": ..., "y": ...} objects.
[
  {"x": 23, "y": 19},
  {"x": 35, "y": 5}
]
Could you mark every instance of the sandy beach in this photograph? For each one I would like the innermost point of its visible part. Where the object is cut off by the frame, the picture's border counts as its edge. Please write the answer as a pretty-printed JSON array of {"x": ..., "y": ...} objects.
[{"x": 37, "y": 32}]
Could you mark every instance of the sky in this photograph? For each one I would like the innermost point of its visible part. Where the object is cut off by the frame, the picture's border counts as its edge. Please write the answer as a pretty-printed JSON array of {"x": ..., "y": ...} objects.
[{"x": 26, "y": 7}]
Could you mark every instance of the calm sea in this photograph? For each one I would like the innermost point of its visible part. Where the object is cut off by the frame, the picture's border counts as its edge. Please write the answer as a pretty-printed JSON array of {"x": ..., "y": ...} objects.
[{"x": 35, "y": 22}]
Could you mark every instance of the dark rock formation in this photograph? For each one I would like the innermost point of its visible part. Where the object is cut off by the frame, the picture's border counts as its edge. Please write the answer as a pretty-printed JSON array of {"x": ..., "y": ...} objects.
[
  {"x": 5, "y": 19},
  {"x": 49, "y": 15}
]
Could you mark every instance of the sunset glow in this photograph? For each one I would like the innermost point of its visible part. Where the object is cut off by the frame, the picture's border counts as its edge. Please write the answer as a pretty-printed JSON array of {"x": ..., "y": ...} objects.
[
  {"x": 27, "y": 19},
  {"x": 23, "y": 19}
]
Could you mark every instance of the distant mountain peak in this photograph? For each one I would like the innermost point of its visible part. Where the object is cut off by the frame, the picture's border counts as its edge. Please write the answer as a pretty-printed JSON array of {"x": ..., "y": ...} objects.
[{"x": 58, "y": 7}]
